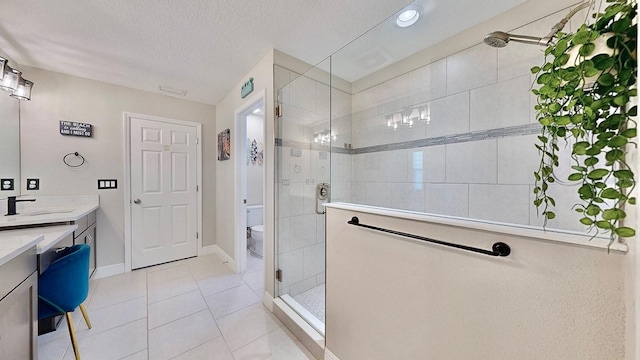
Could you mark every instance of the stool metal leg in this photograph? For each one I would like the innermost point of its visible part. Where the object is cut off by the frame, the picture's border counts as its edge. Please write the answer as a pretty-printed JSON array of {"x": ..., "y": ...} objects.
[
  {"x": 72, "y": 333},
  {"x": 85, "y": 316}
]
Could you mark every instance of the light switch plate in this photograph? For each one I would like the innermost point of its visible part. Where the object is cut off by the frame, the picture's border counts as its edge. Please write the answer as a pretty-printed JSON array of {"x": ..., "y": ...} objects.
[{"x": 107, "y": 184}]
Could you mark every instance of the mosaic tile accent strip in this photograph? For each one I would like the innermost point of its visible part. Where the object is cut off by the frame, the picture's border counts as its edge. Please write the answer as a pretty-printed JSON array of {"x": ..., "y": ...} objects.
[
  {"x": 519, "y": 130},
  {"x": 308, "y": 146}
]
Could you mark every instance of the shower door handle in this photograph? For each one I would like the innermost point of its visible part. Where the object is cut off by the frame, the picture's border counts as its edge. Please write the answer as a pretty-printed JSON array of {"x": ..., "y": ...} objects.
[{"x": 322, "y": 193}]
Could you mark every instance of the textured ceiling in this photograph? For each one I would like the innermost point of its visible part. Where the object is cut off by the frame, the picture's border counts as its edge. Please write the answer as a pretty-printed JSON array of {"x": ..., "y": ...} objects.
[{"x": 205, "y": 46}]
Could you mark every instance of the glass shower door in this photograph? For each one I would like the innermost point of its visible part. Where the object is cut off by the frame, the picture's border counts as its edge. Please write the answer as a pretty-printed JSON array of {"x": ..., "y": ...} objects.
[{"x": 303, "y": 163}]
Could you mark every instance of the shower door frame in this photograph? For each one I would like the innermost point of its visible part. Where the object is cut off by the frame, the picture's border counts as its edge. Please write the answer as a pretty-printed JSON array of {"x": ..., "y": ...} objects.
[{"x": 286, "y": 298}]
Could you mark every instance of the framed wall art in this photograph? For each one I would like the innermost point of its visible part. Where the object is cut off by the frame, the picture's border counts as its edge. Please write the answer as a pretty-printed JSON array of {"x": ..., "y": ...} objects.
[{"x": 224, "y": 145}]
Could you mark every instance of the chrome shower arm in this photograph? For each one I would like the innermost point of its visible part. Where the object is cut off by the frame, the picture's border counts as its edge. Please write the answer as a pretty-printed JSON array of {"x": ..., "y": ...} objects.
[
  {"x": 525, "y": 39},
  {"x": 561, "y": 24}
]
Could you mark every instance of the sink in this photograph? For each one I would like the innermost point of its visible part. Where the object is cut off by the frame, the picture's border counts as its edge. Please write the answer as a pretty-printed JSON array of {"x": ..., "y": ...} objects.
[{"x": 34, "y": 212}]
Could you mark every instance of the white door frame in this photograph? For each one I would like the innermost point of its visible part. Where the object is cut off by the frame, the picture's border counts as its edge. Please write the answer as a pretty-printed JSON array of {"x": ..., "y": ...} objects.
[
  {"x": 240, "y": 164},
  {"x": 127, "y": 179}
]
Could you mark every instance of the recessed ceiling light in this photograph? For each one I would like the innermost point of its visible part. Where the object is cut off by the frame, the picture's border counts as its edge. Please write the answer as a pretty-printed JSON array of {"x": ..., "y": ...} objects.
[{"x": 407, "y": 17}]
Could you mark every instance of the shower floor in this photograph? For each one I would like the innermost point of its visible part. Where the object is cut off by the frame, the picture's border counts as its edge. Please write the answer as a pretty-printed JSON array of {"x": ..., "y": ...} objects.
[{"x": 313, "y": 301}]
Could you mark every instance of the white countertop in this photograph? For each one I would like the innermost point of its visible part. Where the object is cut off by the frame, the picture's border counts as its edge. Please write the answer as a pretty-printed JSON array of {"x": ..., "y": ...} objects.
[
  {"x": 12, "y": 245},
  {"x": 45, "y": 210},
  {"x": 14, "y": 242},
  {"x": 50, "y": 209}
]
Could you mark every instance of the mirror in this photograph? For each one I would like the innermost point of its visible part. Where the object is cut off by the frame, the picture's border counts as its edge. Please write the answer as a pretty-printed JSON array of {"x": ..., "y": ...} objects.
[{"x": 9, "y": 144}]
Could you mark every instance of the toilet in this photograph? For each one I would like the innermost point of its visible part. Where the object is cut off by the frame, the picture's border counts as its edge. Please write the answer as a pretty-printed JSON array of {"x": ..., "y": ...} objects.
[{"x": 254, "y": 222}]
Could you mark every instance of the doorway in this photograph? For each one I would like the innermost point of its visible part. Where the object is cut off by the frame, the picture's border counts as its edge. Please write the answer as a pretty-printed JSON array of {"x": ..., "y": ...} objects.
[
  {"x": 161, "y": 190},
  {"x": 250, "y": 172}
]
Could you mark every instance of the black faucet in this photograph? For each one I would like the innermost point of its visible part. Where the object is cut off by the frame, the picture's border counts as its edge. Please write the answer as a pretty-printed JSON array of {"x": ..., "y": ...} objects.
[{"x": 11, "y": 205}]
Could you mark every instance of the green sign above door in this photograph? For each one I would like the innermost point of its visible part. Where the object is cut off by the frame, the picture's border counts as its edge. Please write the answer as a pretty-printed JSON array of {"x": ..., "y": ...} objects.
[{"x": 247, "y": 88}]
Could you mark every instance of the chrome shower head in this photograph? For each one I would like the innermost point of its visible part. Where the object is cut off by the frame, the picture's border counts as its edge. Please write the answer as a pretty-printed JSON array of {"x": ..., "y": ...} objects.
[
  {"x": 501, "y": 39},
  {"x": 497, "y": 39}
]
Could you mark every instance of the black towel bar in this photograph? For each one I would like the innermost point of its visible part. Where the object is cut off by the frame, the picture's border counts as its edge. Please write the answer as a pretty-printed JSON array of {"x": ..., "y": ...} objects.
[{"x": 498, "y": 249}]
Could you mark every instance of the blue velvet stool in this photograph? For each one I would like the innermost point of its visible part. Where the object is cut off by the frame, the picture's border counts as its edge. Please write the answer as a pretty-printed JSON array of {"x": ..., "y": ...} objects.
[{"x": 63, "y": 286}]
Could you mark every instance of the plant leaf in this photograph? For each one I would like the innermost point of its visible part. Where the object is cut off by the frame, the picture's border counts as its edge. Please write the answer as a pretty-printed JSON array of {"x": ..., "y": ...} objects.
[
  {"x": 575, "y": 177},
  {"x": 629, "y": 133},
  {"x": 597, "y": 174},
  {"x": 587, "y": 49},
  {"x": 614, "y": 155},
  {"x": 617, "y": 141},
  {"x": 586, "y": 221},
  {"x": 603, "y": 224},
  {"x": 561, "y": 47},
  {"x": 623, "y": 174},
  {"x": 592, "y": 210},
  {"x": 610, "y": 193},
  {"x": 606, "y": 79},
  {"x": 591, "y": 161},
  {"x": 611, "y": 214},
  {"x": 625, "y": 231}
]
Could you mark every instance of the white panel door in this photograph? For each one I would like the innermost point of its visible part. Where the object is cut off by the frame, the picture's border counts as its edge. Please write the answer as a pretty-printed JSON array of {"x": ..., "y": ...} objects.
[{"x": 163, "y": 192}]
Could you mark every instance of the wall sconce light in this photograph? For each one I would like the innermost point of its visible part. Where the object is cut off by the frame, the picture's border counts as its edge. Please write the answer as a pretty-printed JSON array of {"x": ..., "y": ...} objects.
[
  {"x": 408, "y": 117},
  {"x": 23, "y": 92},
  {"x": 11, "y": 80},
  {"x": 324, "y": 137}
]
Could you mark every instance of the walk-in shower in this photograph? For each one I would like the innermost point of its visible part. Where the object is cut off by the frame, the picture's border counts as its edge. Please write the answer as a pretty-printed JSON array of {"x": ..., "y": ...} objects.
[{"x": 455, "y": 149}]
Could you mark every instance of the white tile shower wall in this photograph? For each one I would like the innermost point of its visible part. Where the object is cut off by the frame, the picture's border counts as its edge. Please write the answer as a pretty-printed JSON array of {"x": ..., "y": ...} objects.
[
  {"x": 449, "y": 115},
  {"x": 472, "y": 68},
  {"x": 517, "y": 159},
  {"x": 447, "y": 199},
  {"x": 428, "y": 82},
  {"x": 473, "y": 162},
  {"x": 503, "y": 104},
  {"x": 501, "y": 203},
  {"x": 476, "y": 90}
]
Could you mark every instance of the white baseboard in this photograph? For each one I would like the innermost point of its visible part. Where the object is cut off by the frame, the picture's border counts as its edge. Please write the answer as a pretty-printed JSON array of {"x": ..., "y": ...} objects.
[
  {"x": 215, "y": 249},
  {"x": 328, "y": 355},
  {"x": 109, "y": 270},
  {"x": 267, "y": 300},
  {"x": 209, "y": 249}
]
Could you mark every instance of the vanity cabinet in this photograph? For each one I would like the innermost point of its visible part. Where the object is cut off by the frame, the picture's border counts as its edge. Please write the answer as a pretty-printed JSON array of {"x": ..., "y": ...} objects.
[
  {"x": 19, "y": 307},
  {"x": 46, "y": 258},
  {"x": 86, "y": 234}
]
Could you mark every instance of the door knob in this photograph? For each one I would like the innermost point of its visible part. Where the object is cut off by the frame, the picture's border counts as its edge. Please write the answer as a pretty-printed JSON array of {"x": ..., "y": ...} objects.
[{"x": 137, "y": 201}]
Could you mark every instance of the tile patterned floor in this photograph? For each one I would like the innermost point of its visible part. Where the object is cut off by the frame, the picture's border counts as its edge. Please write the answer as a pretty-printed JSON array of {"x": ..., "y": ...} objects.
[
  {"x": 313, "y": 300},
  {"x": 189, "y": 310}
]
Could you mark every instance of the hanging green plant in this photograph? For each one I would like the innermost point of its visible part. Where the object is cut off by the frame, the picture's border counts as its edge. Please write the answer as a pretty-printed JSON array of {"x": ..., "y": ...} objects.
[{"x": 587, "y": 96}]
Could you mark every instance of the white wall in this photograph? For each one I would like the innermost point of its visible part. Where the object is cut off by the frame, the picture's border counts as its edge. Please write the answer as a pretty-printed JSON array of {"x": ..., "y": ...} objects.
[
  {"x": 227, "y": 208},
  {"x": 58, "y": 97},
  {"x": 255, "y": 170}
]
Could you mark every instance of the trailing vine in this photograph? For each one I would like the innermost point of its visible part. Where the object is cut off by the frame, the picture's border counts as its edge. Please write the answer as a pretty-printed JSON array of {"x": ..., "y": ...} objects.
[{"x": 586, "y": 96}]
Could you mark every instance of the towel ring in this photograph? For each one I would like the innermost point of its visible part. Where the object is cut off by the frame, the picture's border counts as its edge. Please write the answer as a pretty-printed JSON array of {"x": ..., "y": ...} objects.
[{"x": 64, "y": 159}]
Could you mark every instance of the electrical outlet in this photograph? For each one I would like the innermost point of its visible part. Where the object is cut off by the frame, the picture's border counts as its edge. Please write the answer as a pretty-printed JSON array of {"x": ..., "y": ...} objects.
[
  {"x": 7, "y": 184},
  {"x": 107, "y": 184},
  {"x": 33, "y": 184}
]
